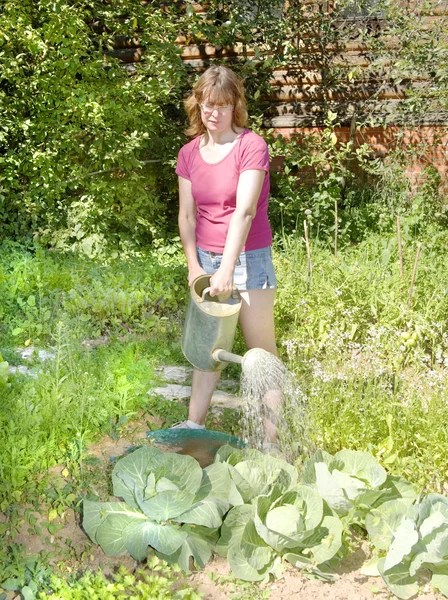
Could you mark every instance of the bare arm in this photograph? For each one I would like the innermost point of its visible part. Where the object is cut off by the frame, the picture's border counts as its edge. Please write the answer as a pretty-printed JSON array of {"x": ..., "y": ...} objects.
[
  {"x": 248, "y": 194},
  {"x": 187, "y": 228}
]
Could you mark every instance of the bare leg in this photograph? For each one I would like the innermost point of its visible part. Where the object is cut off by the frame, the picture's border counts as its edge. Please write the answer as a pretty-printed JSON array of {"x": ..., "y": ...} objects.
[
  {"x": 258, "y": 308},
  {"x": 202, "y": 388},
  {"x": 257, "y": 319}
]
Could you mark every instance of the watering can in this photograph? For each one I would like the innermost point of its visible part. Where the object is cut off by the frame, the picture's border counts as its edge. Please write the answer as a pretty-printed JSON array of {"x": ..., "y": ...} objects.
[
  {"x": 207, "y": 341},
  {"x": 210, "y": 326}
]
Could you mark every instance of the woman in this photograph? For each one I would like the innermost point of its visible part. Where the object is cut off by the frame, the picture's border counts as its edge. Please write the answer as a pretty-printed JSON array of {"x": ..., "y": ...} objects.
[{"x": 223, "y": 201}]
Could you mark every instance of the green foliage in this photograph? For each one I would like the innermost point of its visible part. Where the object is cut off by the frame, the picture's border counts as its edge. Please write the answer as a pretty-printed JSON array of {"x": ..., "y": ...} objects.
[
  {"x": 360, "y": 301},
  {"x": 74, "y": 398},
  {"x": 21, "y": 573},
  {"x": 51, "y": 414},
  {"x": 3, "y": 371},
  {"x": 352, "y": 483},
  {"x": 77, "y": 166},
  {"x": 96, "y": 119},
  {"x": 371, "y": 367},
  {"x": 415, "y": 539},
  {"x": 319, "y": 177},
  {"x": 92, "y": 297},
  {"x": 158, "y": 582},
  {"x": 169, "y": 504}
]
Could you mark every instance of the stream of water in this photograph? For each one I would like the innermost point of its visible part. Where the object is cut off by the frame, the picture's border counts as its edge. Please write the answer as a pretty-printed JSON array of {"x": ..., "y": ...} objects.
[{"x": 269, "y": 391}]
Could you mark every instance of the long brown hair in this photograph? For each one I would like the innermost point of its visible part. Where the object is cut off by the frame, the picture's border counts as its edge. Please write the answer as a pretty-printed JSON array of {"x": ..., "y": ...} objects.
[{"x": 218, "y": 85}]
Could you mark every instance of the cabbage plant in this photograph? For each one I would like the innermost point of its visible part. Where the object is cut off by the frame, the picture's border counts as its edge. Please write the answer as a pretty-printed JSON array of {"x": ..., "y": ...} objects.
[
  {"x": 169, "y": 503},
  {"x": 251, "y": 508},
  {"x": 411, "y": 540},
  {"x": 280, "y": 520},
  {"x": 351, "y": 483}
]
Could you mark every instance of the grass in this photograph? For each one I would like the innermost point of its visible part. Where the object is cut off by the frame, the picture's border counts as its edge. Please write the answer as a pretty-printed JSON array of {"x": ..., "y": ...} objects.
[{"x": 77, "y": 397}]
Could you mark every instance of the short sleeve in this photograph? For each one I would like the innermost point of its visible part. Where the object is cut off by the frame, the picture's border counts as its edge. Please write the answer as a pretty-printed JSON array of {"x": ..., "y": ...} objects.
[
  {"x": 255, "y": 154},
  {"x": 182, "y": 167}
]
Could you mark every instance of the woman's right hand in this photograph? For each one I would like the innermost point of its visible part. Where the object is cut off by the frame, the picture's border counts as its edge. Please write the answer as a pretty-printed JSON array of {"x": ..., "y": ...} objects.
[{"x": 194, "y": 272}]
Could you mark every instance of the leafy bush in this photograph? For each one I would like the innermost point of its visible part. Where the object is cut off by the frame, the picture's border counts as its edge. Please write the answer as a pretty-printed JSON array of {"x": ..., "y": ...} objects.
[
  {"x": 318, "y": 173},
  {"x": 82, "y": 113},
  {"x": 77, "y": 168}
]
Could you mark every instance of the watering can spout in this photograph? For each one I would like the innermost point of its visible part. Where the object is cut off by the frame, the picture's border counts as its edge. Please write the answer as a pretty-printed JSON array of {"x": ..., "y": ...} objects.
[{"x": 221, "y": 355}]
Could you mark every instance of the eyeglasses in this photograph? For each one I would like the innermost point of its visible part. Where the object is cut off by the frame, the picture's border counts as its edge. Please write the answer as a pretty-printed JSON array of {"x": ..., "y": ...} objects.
[{"x": 221, "y": 108}]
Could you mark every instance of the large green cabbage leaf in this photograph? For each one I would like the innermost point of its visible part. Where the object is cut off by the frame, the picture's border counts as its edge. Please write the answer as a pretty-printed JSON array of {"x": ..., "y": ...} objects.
[
  {"x": 255, "y": 473},
  {"x": 148, "y": 471},
  {"x": 161, "y": 492},
  {"x": 197, "y": 547},
  {"x": 249, "y": 556}
]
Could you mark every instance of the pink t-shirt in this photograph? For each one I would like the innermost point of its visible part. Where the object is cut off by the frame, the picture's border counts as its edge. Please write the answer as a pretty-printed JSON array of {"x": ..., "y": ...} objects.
[{"x": 214, "y": 188}]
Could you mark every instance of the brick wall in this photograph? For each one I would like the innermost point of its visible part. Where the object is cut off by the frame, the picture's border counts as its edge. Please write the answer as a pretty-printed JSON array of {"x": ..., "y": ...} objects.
[{"x": 429, "y": 145}]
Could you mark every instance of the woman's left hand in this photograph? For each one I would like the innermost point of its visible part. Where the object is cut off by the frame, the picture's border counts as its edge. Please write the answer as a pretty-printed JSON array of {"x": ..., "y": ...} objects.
[{"x": 221, "y": 283}]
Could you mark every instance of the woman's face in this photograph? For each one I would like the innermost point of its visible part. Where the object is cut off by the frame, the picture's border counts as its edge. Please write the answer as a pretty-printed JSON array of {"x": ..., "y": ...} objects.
[{"x": 216, "y": 117}]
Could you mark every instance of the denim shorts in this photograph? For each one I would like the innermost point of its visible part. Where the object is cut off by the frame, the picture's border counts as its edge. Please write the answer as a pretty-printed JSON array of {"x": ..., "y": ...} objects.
[{"x": 253, "y": 271}]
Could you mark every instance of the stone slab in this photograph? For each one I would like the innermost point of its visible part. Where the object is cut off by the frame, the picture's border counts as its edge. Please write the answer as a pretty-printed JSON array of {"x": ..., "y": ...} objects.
[
  {"x": 31, "y": 352},
  {"x": 23, "y": 370},
  {"x": 174, "y": 391},
  {"x": 175, "y": 374}
]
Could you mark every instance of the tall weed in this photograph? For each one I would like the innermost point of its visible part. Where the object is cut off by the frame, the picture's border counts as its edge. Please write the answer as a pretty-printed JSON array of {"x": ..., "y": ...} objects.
[
  {"x": 75, "y": 398},
  {"x": 371, "y": 360}
]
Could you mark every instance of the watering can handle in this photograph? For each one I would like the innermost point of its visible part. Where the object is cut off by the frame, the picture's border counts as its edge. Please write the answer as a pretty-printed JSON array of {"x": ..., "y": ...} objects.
[
  {"x": 205, "y": 291},
  {"x": 220, "y": 297}
]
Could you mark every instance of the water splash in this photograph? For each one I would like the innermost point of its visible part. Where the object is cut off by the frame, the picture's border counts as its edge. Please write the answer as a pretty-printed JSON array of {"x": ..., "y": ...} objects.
[{"x": 270, "y": 391}]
